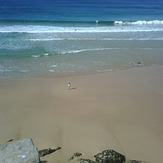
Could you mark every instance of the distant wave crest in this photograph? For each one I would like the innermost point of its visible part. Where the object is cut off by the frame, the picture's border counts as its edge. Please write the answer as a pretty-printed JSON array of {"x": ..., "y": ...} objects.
[{"x": 140, "y": 22}]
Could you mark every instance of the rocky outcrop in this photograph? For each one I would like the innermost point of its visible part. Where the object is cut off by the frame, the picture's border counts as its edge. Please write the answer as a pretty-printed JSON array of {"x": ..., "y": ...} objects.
[
  {"x": 20, "y": 151},
  {"x": 24, "y": 151},
  {"x": 109, "y": 156}
]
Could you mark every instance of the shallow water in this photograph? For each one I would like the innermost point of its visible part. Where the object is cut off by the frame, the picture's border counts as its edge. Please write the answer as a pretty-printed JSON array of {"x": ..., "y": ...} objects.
[{"x": 101, "y": 57}]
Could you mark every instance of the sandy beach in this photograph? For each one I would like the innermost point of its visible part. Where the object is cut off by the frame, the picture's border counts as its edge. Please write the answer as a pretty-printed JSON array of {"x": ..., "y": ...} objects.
[{"x": 120, "y": 110}]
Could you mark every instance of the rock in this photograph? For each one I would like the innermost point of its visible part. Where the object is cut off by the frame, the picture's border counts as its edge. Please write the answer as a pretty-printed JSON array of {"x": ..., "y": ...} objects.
[
  {"x": 139, "y": 63},
  {"x": 86, "y": 161},
  {"x": 21, "y": 151},
  {"x": 136, "y": 63},
  {"x": 136, "y": 161},
  {"x": 10, "y": 140},
  {"x": 77, "y": 154},
  {"x": 48, "y": 151},
  {"x": 110, "y": 156}
]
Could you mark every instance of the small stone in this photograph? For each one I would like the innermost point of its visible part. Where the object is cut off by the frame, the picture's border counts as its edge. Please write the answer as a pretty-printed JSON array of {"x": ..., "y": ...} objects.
[
  {"x": 139, "y": 63},
  {"x": 75, "y": 155}
]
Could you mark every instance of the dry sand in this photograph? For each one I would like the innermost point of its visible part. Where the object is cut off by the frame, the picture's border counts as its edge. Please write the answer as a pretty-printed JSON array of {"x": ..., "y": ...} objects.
[{"x": 121, "y": 110}]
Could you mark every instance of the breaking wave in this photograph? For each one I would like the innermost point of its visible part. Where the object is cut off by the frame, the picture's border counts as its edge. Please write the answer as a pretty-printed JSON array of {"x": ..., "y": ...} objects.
[
  {"x": 140, "y": 22},
  {"x": 81, "y": 27}
]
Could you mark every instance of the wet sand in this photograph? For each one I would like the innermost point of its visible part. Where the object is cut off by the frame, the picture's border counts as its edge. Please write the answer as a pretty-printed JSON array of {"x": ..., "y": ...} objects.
[{"x": 121, "y": 110}]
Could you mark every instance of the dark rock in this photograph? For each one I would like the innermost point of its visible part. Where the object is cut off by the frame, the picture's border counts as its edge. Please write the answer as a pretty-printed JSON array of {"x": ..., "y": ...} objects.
[
  {"x": 136, "y": 161},
  {"x": 86, "y": 161},
  {"x": 48, "y": 151},
  {"x": 10, "y": 140},
  {"x": 75, "y": 155},
  {"x": 139, "y": 63},
  {"x": 20, "y": 151},
  {"x": 110, "y": 156},
  {"x": 136, "y": 63}
]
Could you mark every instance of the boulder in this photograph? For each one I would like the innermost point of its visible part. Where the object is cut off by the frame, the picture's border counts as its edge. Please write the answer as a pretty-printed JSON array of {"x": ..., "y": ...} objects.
[
  {"x": 21, "y": 151},
  {"x": 109, "y": 156}
]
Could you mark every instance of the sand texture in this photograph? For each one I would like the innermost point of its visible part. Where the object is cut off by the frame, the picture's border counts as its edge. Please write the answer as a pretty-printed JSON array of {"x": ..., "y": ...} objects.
[{"x": 121, "y": 110}]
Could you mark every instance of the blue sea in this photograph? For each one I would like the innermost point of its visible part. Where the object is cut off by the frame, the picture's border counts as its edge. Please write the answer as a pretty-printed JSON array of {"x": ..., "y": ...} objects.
[{"x": 39, "y": 37}]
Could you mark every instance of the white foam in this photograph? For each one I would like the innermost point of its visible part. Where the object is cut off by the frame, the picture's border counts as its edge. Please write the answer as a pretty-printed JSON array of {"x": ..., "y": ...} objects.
[
  {"x": 92, "y": 29},
  {"x": 21, "y": 156},
  {"x": 45, "y": 39},
  {"x": 109, "y": 70},
  {"x": 36, "y": 56},
  {"x": 140, "y": 22},
  {"x": 54, "y": 65},
  {"x": 51, "y": 70},
  {"x": 92, "y": 39},
  {"x": 85, "y": 50},
  {"x": 24, "y": 71},
  {"x": 5, "y": 71},
  {"x": 46, "y": 54}
]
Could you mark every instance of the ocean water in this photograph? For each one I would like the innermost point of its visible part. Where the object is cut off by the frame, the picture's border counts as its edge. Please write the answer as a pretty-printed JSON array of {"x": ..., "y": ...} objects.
[{"x": 40, "y": 37}]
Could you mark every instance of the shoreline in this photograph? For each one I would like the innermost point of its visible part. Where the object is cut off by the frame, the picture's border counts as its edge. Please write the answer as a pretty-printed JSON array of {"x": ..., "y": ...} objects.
[
  {"x": 95, "y": 56},
  {"x": 120, "y": 110}
]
